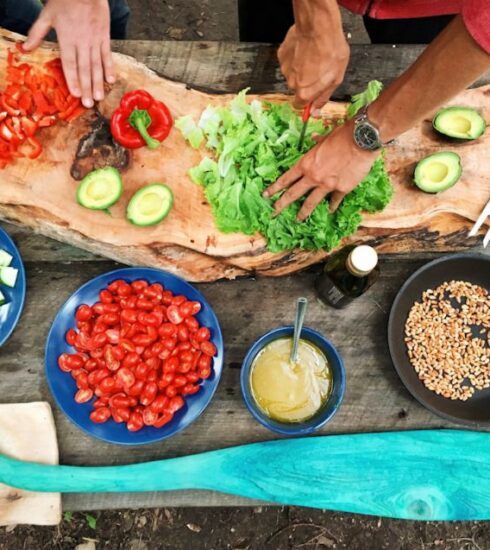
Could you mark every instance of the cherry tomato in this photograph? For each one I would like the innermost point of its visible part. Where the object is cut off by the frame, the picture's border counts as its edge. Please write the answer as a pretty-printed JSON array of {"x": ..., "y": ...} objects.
[
  {"x": 192, "y": 324},
  {"x": 143, "y": 340},
  {"x": 91, "y": 365},
  {"x": 84, "y": 313},
  {"x": 185, "y": 309},
  {"x": 170, "y": 343},
  {"x": 144, "y": 304},
  {"x": 124, "y": 289},
  {"x": 190, "y": 389},
  {"x": 192, "y": 377},
  {"x": 82, "y": 381},
  {"x": 183, "y": 333},
  {"x": 101, "y": 402},
  {"x": 171, "y": 364},
  {"x": 159, "y": 403},
  {"x": 204, "y": 362},
  {"x": 180, "y": 381},
  {"x": 135, "y": 422},
  {"x": 152, "y": 376},
  {"x": 121, "y": 414},
  {"x": 114, "y": 286},
  {"x": 157, "y": 348},
  {"x": 196, "y": 307},
  {"x": 165, "y": 418},
  {"x": 165, "y": 380},
  {"x": 178, "y": 300},
  {"x": 131, "y": 360},
  {"x": 139, "y": 286},
  {"x": 119, "y": 400},
  {"x": 113, "y": 336},
  {"x": 106, "y": 297},
  {"x": 75, "y": 361},
  {"x": 208, "y": 348},
  {"x": 141, "y": 371},
  {"x": 185, "y": 367},
  {"x": 174, "y": 315},
  {"x": 100, "y": 415},
  {"x": 98, "y": 308},
  {"x": 175, "y": 404},
  {"x": 99, "y": 340},
  {"x": 84, "y": 395},
  {"x": 63, "y": 362},
  {"x": 149, "y": 417},
  {"x": 111, "y": 362},
  {"x": 152, "y": 294},
  {"x": 171, "y": 391},
  {"x": 71, "y": 337},
  {"x": 129, "y": 315},
  {"x": 204, "y": 373},
  {"x": 203, "y": 334},
  {"x": 167, "y": 330},
  {"x": 136, "y": 389},
  {"x": 118, "y": 352},
  {"x": 126, "y": 377},
  {"x": 167, "y": 297},
  {"x": 127, "y": 345},
  {"x": 110, "y": 319},
  {"x": 149, "y": 393},
  {"x": 107, "y": 385},
  {"x": 112, "y": 308}
]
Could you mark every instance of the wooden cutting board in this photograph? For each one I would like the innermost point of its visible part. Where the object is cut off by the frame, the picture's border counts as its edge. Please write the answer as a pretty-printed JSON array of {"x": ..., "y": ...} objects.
[{"x": 41, "y": 194}]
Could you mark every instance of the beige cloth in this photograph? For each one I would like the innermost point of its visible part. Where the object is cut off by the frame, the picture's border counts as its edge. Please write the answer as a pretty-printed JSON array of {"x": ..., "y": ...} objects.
[{"x": 28, "y": 432}]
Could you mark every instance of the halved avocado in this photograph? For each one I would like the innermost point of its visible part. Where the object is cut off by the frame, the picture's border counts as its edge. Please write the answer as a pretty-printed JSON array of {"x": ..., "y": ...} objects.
[
  {"x": 150, "y": 204},
  {"x": 459, "y": 122},
  {"x": 100, "y": 189},
  {"x": 438, "y": 172}
]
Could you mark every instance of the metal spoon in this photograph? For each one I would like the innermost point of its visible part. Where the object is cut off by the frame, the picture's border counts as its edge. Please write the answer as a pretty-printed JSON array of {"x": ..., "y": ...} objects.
[{"x": 298, "y": 326}]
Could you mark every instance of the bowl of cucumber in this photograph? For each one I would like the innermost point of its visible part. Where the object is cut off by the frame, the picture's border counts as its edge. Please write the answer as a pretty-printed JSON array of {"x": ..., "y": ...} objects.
[{"x": 12, "y": 286}]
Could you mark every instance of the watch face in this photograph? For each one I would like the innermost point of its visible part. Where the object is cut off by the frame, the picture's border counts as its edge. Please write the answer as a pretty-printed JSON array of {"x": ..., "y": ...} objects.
[{"x": 366, "y": 136}]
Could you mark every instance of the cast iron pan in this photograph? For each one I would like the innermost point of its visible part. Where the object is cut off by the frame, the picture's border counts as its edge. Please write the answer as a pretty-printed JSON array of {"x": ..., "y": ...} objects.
[{"x": 474, "y": 268}]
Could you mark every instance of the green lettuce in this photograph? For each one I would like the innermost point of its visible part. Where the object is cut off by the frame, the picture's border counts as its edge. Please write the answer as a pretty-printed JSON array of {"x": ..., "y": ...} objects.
[{"x": 252, "y": 144}]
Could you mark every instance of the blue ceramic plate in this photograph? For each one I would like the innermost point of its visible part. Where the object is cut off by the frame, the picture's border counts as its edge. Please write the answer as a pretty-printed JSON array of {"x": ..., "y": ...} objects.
[
  {"x": 11, "y": 311},
  {"x": 63, "y": 386}
]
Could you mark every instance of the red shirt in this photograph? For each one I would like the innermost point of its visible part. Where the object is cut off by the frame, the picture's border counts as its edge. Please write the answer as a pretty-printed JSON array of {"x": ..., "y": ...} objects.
[{"x": 476, "y": 13}]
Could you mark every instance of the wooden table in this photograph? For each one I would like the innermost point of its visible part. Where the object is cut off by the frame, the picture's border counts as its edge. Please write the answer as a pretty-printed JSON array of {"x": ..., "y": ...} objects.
[{"x": 375, "y": 399}]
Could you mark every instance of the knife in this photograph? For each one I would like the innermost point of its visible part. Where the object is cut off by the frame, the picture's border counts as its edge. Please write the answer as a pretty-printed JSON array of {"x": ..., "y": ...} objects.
[
  {"x": 305, "y": 117},
  {"x": 479, "y": 222}
]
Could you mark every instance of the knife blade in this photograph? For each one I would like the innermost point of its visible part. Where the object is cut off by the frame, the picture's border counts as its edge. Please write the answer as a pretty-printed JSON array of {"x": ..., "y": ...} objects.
[
  {"x": 480, "y": 221},
  {"x": 305, "y": 117}
]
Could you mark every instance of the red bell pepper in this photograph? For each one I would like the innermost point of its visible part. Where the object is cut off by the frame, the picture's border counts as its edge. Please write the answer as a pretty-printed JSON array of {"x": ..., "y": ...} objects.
[{"x": 140, "y": 119}]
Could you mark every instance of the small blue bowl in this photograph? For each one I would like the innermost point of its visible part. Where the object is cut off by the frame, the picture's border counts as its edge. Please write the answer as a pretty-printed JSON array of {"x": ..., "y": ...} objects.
[
  {"x": 63, "y": 387},
  {"x": 333, "y": 402}
]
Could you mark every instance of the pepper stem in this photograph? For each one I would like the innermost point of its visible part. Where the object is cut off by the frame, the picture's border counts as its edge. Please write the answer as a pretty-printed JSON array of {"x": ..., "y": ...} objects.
[{"x": 140, "y": 119}]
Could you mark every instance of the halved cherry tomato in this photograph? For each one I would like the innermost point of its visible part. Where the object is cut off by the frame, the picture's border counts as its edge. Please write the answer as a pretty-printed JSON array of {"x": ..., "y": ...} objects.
[
  {"x": 100, "y": 415},
  {"x": 174, "y": 315},
  {"x": 135, "y": 422},
  {"x": 84, "y": 395}
]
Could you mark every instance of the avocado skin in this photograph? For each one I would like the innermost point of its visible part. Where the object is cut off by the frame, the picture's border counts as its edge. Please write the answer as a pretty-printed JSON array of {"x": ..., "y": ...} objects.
[
  {"x": 109, "y": 172},
  {"x": 451, "y": 159},
  {"x": 466, "y": 112},
  {"x": 132, "y": 214}
]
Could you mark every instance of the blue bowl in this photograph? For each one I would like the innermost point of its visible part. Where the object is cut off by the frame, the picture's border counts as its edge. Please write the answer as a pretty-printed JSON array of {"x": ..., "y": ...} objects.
[
  {"x": 329, "y": 408},
  {"x": 11, "y": 311},
  {"x": 63, "y": 386}
]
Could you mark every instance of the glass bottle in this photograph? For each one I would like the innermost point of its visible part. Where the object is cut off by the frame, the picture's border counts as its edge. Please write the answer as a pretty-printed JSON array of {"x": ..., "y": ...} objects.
[{"x": 347, "y": 275}]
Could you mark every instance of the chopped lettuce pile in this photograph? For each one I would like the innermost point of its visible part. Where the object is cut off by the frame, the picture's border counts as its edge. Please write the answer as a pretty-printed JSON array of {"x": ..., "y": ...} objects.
[{"x": 252, "y": 145}]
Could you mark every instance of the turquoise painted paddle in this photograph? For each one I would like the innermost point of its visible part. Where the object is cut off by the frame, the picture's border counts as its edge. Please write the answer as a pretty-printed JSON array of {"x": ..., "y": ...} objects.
[{"x": 429, "y": 475}]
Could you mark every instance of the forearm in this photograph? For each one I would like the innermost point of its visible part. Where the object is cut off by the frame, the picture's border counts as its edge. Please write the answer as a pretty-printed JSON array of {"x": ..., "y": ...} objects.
[
  {"x": 314, "y": 17},
  {"x": 449, "y": 65}
]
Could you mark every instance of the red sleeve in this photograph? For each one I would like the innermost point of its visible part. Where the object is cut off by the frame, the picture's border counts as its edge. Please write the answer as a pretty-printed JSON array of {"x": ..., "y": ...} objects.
[{"x": 476, "y": 16}]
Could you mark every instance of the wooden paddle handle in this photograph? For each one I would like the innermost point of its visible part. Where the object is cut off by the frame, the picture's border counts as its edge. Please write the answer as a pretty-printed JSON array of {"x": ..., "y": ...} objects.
[{"x": 427, "y": 475}]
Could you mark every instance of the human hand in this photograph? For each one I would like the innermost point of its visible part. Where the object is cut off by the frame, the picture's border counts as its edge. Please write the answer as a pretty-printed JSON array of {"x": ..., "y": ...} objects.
[
  {"x": 83, "y": 30},
  {"x": 314, "y": 64},
  {"x": 336, "y": 165}
]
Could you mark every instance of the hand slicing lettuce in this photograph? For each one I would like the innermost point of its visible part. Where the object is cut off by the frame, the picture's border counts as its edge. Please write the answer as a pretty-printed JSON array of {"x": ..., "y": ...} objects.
[{"x": 251, "y": 145}]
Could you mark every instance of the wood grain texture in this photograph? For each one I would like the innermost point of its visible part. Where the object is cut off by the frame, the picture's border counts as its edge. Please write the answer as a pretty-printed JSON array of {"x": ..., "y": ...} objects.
[
  {"x": 247, "y": 308},
  {"x": 421, "y": 475},
  {"x": 188, "y": 242}
]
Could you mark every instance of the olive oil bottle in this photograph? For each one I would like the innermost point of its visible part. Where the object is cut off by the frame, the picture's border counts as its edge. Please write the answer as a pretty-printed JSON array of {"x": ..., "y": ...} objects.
[{"x": 347, "y": 275}]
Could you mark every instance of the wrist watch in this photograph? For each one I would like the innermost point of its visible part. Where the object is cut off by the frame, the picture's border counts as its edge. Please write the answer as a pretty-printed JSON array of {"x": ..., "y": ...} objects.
[{"x": 366, "y": 133}]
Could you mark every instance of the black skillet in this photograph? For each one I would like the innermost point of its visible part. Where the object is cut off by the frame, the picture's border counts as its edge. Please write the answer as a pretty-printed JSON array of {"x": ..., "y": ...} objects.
[{"x": 474, "y": 268}]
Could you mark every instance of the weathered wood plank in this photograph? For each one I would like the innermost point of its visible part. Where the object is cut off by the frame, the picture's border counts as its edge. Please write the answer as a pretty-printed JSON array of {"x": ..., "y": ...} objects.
[
  {"x": 228, "y": 66},
  {"x": 375, "y": 399}
]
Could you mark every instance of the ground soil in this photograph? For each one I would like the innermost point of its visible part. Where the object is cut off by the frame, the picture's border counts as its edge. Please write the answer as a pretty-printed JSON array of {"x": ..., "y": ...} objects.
[{"x": 233, "y": 528}]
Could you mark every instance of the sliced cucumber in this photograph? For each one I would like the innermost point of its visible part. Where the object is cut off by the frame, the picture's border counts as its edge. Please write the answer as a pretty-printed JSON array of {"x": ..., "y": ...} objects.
[
  {"x": 150, "y": 204},
  {"x": 100, "y": 189},
  {"x": 8, "y": 276},
  {"x": 3, "y": 300},
  {"x": 5, "y": 258}
]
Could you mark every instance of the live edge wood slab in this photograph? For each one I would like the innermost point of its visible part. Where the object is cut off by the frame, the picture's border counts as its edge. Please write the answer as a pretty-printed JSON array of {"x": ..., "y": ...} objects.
[
  {"x": 375, "y": 398},
  {"x": 41, "y": 194}
]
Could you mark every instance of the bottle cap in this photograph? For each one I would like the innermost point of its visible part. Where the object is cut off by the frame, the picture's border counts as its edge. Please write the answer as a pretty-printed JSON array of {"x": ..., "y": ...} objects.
[{"x": 363, "y": 259}]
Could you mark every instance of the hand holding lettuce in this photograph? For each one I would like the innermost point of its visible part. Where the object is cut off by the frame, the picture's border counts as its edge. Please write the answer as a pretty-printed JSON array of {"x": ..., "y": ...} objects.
[{"x": 253, "y": 144}]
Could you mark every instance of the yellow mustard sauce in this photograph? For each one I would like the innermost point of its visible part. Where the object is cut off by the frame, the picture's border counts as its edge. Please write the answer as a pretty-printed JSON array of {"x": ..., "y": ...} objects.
[{"x": 289, "y": 392}]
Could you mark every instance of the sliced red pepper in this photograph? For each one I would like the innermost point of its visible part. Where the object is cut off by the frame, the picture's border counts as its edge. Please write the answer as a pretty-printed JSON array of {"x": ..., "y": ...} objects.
[
  {"x": 42, "y": 105},
  {"x": 46, "y": 121},
  {"x": 29, "y": 126},
  {"x": 139, "y": 120},
  {"x": 3, "y": 115},
  {"x": 73, "y": 104},
  {"x": 7, "y": 106},
  {"x": 15, "y": 126},
  {"x": 80, "y": 110},
  {"x": 7, "y": 134},
  {"x": 37, "y": 148},
  {"x": 25, "y": 102}
]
